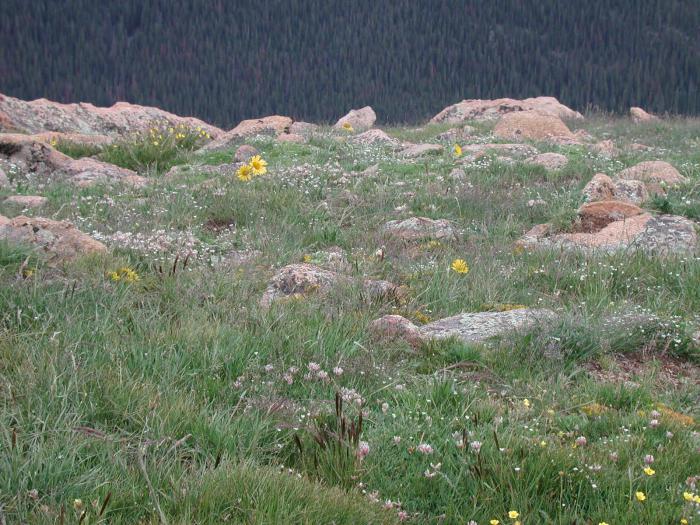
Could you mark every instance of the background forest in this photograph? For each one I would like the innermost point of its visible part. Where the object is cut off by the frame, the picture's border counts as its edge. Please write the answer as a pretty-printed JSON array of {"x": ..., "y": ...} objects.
[{"x": 313, "y": 59}]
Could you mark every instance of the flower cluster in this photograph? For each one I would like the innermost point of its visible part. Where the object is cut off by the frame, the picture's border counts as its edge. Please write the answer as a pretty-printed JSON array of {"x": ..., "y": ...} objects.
[
  {"x": 255, "y": 167},
  {"x": 123, "y": 274}
]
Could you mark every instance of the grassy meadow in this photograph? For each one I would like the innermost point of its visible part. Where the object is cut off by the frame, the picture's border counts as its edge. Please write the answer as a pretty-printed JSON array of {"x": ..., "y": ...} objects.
[{"x": 166, "y": 394}]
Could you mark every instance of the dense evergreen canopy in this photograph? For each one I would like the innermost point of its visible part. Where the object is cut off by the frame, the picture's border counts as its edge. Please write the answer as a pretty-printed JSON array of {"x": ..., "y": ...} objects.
[{"x": 314, "y": 59}]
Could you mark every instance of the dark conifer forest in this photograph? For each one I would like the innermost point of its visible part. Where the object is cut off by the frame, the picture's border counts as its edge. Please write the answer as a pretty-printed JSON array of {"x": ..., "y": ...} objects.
[{"x": 225, "y": 60}]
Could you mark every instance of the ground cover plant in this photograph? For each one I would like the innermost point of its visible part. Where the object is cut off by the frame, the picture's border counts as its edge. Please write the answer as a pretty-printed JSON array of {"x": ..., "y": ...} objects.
[{"x": 149, "y": 384}]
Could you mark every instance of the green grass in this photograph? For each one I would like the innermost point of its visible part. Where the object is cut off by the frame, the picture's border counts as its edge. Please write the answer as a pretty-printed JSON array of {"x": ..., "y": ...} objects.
[{"x": 177, "y": 395}]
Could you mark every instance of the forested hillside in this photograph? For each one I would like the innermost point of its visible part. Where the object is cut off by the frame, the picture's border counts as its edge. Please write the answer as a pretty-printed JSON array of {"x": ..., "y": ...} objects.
[{"x": 313, "y": 59}]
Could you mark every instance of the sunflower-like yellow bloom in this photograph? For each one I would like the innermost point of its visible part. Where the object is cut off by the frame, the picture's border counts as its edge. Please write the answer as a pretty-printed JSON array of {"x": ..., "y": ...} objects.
[
  {"x": 258, "y": 165},
  {"x": 460, "y": 266},
  {"x": 244, "y": 173}
]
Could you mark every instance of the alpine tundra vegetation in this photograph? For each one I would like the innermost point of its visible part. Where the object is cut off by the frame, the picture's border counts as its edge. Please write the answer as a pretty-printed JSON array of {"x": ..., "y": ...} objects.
[{"x": 492, "y": 318}]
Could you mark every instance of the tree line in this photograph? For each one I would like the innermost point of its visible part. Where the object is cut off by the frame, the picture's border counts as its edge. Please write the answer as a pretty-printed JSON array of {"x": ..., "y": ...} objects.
[{"x": 226, "y": 60}]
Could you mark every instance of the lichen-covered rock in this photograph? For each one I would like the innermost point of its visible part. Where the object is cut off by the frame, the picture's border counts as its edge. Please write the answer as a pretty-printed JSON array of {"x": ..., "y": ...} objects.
[
  {"x": 532, "y": 125},
  {"x": 305, "y": 129},
  {"x": 43, "y": 115},
  {"x": 599, "y": 188},
  {"x": 474, "y": 109},
  {"x": 639, "y": 115},
  {"x": 396, "y": 327},
  {"x": 88, "y": 172},
  {"x": 419, "y": 228},
  {"x": 457, "y": 134},
  {"x": 300, "y": 280},
  {"x": 273, "y": 125},
  {"x": 653, "y": 171},
  {"x": 58, "y": 240},
  {"x": 467, "y": 327},
  {"x": 663, "y": 235},
  {"x": 549, "y": 161},
  {"x": 373, "y": 137},
  {"x": 27, "y": 201},
  {"x": 603, "y": 188},
  {"x": 39, "y": 157},
  {"x": 595, "y": 216},
  {"x": 358, "y": 119},
  {"x": 413, "y": 151},
  {"x": 634, "y": 191},
  {"x": 244, "y": 153}
]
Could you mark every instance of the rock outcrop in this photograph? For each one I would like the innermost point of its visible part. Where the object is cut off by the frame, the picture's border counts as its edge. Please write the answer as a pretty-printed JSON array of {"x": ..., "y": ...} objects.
[
  {"x": 475, "y": 109},
  {"x": 300, "y": 280},
  {"x": 358, "y": 119},
  {"x": 42, "y": 115},
  {"x": 662, "y": 235},
  {"x": 639, "y": 115},
  {"x": 466, "y": 327},
  {"x": 533, "y": 125},
  {"x": 58, "y": 240},
  {"x": 273, "y": 125},
  {"x": 41, "y": 158},
  {"x": 419, "y": 228}
]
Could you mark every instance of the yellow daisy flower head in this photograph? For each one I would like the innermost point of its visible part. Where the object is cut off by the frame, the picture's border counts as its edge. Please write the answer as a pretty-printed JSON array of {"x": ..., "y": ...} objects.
[
  {"x": 348, "y": 127},
  {"x": 258, "y": 165},
  {"x": 513, "y": 514},
  {"x": 688, "y": 496},
  {"x": 457, "y": 150},
  {"x": 649, "y": 471},
  {"x": 494, "y": 522},
  {"x": 640, "y": 495},
  {"x": 460, "y": 266},
  {"x": 244, "y": 173},
  {"x": 603, "y": 523}
]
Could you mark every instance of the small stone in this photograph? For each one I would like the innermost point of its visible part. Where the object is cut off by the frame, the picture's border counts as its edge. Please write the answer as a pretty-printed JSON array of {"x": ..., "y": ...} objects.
[
  {"x": 419, "y": 150},
  {"x": 549, "y": 161},
  {"x": 420, "y": 228},
  {"x": 373, "y": 137},
  {"x": 27, "y": 201},
  {"x": 599, "y": 188},
  {"x": 244, "y": 153},
  {"x": 634, "y": 191}
]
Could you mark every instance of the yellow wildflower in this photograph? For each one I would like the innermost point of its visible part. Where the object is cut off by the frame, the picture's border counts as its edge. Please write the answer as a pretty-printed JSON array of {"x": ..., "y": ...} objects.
[
  {"x": 457, "y": 150},
  {"x": 244, "y": 173},
  {"x": 494, "y": 522},
  {"x": 460, "y": 266},
  {"x": 77, "y": 504},
  {"x": 684, "y": 521},
  {"x": 688, "y": 496},
  {"x": 258, "y": 165},
  {"x": 513, "y": 514},
  {"x": 603, "y": 523},
  {"x": 307, "y": 258},
  {"x": 640, "y": 495},
  {"x": 526, "y": 403},
  {"x": 649, "y": 471},
  {"x": 348, "y": 127}
]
